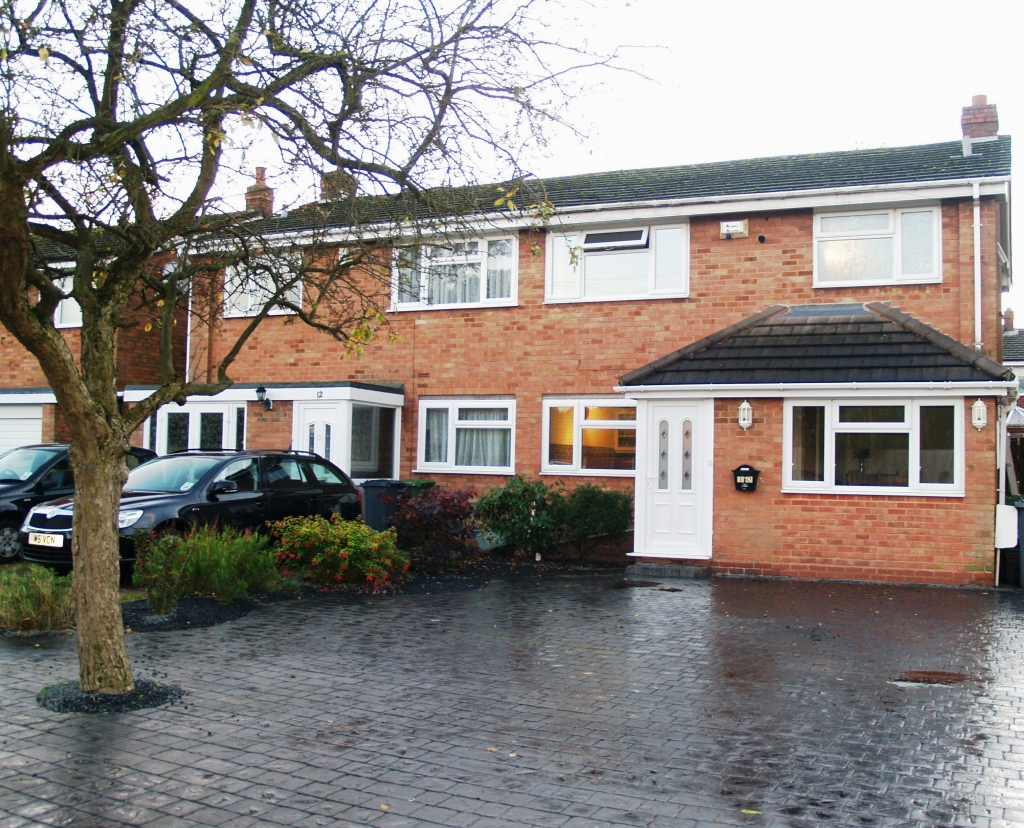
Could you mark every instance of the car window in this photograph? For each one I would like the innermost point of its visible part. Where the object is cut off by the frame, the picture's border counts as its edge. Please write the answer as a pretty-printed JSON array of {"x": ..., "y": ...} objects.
[
  {"x": 59, "y": 477},
  {"x": 21, "y": 463},
  {"x": 135, "y": 460},
  {"x": 325, "y": 474},
  {"x": 243, "y": 473},
  {"x": 170, "y": 474},
  {"x": 284, "y": 473}
]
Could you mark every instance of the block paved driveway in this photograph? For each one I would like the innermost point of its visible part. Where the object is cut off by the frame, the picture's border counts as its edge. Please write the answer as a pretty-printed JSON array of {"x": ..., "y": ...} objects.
[{"x": 558, "y": 701}]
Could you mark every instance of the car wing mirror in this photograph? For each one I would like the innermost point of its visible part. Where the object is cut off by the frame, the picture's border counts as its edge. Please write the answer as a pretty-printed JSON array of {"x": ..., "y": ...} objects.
[
  {"x": 222, "y": 487},
  {"x": 46, "y": 484}
]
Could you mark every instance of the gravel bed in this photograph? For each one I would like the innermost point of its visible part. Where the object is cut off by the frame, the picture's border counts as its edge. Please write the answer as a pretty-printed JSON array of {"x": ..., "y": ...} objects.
[
  {"x": 193, "y": 612},
  {"x": 65, "y": 697}
]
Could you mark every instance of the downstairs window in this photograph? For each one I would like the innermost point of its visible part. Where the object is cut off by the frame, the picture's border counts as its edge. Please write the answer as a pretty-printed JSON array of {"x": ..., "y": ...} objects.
[{"x": 874, "y": 447}]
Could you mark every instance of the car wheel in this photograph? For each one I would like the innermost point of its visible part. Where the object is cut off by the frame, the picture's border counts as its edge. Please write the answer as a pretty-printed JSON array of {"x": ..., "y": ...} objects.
[{"x": 10, "y": 545}]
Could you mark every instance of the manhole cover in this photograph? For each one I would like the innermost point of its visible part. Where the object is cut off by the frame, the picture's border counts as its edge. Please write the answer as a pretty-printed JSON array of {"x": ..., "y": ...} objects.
[{"x": 931, "y": 677}]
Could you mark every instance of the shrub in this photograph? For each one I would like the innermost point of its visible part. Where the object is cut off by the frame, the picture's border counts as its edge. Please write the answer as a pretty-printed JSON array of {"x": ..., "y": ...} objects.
[
  {"x": 525, "y": 513},
  {"x": 160, "y": 562},
  {"x": 225, "y": 564},
  {"x": 437, "y": 525},
  {"x": 592, "y": 513},
  {"x": 35, "y": 598},
  {"x": 331, "y": 551}
]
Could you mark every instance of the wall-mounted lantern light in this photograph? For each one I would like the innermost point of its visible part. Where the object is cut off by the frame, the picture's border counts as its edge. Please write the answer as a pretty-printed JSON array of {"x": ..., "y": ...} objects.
[
  {"x": 746, "y": 415},
  {"x": 979, "y": 414},
  {"x": 261, "y": 396}
]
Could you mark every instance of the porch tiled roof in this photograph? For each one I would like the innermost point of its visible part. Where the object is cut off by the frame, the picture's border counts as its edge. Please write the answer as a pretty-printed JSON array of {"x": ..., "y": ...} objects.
[{"x": 822, "y": 344}]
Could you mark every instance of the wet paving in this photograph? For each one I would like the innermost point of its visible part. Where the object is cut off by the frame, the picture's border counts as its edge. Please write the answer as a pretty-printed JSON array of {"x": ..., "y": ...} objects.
[{"x": 558, "y": 701}]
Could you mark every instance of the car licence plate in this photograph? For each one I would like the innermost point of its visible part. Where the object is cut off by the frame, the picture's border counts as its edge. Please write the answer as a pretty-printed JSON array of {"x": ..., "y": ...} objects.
[{"x": 36, "y": 539}]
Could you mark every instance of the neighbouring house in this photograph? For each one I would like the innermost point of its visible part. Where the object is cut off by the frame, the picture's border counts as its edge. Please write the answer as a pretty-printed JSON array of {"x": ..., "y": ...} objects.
[
  {"x": 830, "y": 320},
  {"x": 28, "y": 407}
]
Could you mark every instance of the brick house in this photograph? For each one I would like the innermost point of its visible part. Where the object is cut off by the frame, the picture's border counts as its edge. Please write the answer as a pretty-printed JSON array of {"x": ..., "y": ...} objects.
[{"x": 535, "y": 351}]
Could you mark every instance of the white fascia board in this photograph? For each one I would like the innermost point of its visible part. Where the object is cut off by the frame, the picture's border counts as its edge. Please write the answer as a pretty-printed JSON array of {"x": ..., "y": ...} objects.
[
  {"x": 291, "y": 394},
  {"x": 27, "y": 398},
  {"x": 906, "y": 192},
  {"x": 795, "y": 390}
]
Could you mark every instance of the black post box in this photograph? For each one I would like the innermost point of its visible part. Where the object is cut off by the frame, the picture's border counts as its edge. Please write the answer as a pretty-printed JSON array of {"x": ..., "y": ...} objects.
[{"x": 746, "y": 478}]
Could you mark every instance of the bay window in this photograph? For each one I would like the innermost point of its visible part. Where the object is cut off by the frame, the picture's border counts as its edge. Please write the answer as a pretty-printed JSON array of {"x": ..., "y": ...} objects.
[
  {"x": 878, "y": 247},
  {"x": 589, "y": 436},
  {"x": 880, "y": 447},
  {"x": 467, "y": 435},
  {"x": 453, "y": 274},
  {"x": 633, "y": 263}
]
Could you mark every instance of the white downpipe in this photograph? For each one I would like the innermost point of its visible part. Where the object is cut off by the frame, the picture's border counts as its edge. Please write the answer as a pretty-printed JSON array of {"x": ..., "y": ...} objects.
[
  {"x": 1003, "y": 416},
  {"x": 977, "y": 264},
  {"x": 188, "y": 337}
]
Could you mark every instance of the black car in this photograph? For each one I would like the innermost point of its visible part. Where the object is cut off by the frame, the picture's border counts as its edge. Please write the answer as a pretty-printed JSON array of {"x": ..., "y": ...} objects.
[
  {"x": 242, "y": 490},
  {"x": 35, "y": 474}
]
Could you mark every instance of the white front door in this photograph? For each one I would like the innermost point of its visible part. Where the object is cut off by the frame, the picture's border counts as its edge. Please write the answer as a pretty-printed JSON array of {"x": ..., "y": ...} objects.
[
  {"x": 675, "y": 505},
  {"x": 320, "y": 431}
]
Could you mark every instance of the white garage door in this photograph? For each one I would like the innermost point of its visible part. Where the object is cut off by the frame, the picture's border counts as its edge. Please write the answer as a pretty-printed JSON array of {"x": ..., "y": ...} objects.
[{"x": 20, "y": 425}]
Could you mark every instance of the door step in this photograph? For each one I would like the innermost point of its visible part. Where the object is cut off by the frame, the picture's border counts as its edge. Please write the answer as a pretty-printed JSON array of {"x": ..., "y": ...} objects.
[{"x": 646, "y": 571}]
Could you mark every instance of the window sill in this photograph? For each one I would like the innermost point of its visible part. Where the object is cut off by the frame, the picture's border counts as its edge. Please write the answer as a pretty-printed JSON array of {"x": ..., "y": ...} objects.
[
  {"x": 645, "y": 298},
  {"x": 587, "y": 473},
  {"x": 251, "y": 315},
  {"x": 68, "y": 326},
  {"x": 873, "y": 491},
  {"x": 498, "y": 472},
  {"x": 505, "y": 303},
  {"x": 892, "y": 283}
]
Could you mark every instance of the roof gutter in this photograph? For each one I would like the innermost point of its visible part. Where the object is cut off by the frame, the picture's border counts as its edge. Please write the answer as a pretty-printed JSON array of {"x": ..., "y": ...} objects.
[
  {"x": 507, "y": 221},
  {"x": 992, "y": 388}
]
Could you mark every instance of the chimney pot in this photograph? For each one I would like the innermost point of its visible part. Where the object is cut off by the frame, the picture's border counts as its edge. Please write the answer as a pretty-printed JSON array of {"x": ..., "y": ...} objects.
[
  {"x": 259, "y": 197},
  {"x": 980, "y": 119},
  {"x": 337, "y": 184}
]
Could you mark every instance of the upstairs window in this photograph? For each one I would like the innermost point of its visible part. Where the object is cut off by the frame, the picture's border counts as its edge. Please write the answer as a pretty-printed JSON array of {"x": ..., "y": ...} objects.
[
  {"x": 477, "y": 272},
  {"x": 247, "y": 289},
  {"x": 69, "y": 312},
  {"x": 628, "y": 263},
  {"x": 877, "y": 247}
]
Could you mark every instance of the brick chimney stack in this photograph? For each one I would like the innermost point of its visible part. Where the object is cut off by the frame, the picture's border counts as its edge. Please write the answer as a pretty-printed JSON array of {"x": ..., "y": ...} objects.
[
  {"x": 1008, "y": 320},
  {"x": 337, "y": 184},
  {"x": 259, "y": 197},
  {"x": 980, "y": 119}
]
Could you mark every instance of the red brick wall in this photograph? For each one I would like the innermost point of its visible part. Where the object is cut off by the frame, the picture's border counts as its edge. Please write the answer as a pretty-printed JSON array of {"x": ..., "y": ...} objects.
[
  {"x": 535, "y": 349},
  {"x": 936, "y": 540}
]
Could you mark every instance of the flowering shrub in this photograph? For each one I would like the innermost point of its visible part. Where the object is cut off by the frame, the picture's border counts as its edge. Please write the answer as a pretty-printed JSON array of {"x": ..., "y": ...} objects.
[
  {"x": 437, "y": 525},
  {"x": 331, "y": 551}
]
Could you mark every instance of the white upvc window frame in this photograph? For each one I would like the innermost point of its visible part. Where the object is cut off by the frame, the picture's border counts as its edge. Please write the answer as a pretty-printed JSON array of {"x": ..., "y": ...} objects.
[
  {"x": 580, "y": 404},
  {"x": 453, "y": 404},
  {"x": 229, "y": 424},
  {"x": 68, "y": 313},
  {"x": 894, "y": 231},
  {"x": 241, "y": 285},
  {"x": 426, "y": 260},
  {"x": 559, "y": 241},
  {"x": 912, "y": 407}
]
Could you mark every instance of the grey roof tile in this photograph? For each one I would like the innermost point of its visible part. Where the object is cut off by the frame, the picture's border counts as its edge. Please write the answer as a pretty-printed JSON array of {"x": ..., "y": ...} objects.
[{"x": 865, "y": 343}]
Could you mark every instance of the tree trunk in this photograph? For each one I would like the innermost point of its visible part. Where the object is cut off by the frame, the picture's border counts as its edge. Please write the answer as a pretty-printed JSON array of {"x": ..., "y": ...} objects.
[{"x": 99, "y": 465}]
